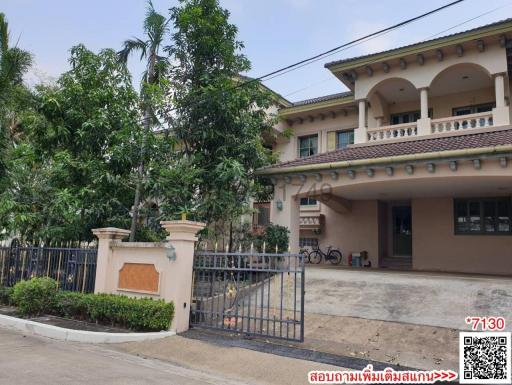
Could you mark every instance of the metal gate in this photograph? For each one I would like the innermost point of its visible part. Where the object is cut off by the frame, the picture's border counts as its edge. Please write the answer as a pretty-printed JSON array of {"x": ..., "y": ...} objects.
[
  {"x": 250, "y": 293},
  {"x": 73, "y": 268}
]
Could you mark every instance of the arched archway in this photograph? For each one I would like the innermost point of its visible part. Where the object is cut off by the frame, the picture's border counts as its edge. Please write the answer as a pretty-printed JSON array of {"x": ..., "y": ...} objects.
[
  {"x": 394, "y": 101},
  {"x": 461, "y": 90},
  {"x": 460, "y": 77}
]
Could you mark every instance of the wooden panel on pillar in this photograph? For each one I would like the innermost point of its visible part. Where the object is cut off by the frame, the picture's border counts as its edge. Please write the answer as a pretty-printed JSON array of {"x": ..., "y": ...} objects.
[
  {"x": 141, "y": 277},
  {"x": 331, "y": 140}
]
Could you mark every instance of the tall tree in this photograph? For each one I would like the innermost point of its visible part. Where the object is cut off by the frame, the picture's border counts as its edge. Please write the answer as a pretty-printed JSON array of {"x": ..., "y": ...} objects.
[
  {"x": 219, "y": 121},
  {"x": 149, "y": 47},
  {"x": 14, "y": 63},
  {"x": 71, "y": 172}
]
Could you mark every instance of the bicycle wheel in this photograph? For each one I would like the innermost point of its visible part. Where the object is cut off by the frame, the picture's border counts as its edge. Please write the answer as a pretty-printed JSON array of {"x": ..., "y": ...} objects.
[
  {"x": 335, "y": 257},
  {"x": 315, "y": 257}
]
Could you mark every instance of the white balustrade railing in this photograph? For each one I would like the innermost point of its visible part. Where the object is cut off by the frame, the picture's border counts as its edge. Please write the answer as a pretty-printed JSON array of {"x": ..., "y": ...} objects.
[
  {"x": 396, "y": 131},
  {"x": 463, "y": 122}
]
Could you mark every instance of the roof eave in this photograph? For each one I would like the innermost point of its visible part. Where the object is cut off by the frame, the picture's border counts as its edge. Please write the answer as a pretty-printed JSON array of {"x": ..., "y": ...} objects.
[
  {"x": 316, "y": 106},
  {"x": 336, "y": 66},
  {"x": 468, "y": 152}
]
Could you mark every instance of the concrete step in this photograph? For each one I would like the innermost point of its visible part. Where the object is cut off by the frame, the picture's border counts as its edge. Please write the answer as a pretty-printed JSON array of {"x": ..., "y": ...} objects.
[{"x": 396, "y": 263}]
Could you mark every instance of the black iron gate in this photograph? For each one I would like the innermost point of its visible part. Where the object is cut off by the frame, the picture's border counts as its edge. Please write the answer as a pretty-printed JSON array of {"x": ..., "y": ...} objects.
[
  {"x": 73, "y": 268},
  {"x": 250, "y": 293}
]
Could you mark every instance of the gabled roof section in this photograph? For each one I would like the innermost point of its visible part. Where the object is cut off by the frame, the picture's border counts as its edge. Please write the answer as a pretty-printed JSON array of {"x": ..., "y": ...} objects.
[
  {"x": 428, "y": 148},
  {"x": 459, "y": 37},
  {"x": 321, "y": 102},
  {"x": 325, "y": 98}
]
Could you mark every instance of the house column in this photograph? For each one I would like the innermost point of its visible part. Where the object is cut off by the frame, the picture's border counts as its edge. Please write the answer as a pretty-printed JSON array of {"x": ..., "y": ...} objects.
[
  {"x": 360, "y": 135},
  {"x": 424, "y": 102},
  {"x": 499, "y": 87},
  {"x": 423, "y": 124},
  {"x": 500, "y": 114},
  {"x": 285, "y": 210}
]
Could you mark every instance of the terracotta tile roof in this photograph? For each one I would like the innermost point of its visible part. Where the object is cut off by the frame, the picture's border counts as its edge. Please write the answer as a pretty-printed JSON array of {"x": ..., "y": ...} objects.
[
  {"x": 333, "y": 63},
  {"x": 322, "y": 98},
  {"x": 447, "y": 143}
]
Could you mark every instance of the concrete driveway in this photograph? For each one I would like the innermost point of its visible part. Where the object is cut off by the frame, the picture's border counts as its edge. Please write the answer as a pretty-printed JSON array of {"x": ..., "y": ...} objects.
[{"x": 433, "y": 299}]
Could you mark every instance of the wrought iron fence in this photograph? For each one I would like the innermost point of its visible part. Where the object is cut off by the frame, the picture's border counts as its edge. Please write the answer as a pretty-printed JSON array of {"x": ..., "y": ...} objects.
[
  {"x": 74, "y": 268},
  {"x": 251, "y": 293}
]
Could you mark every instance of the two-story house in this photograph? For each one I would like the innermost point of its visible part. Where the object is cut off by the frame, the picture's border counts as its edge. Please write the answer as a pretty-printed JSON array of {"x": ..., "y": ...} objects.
[{"x": 413, "y": 164}]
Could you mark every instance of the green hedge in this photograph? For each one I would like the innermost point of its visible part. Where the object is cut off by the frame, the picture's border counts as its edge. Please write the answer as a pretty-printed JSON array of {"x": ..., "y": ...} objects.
[
  {"x": 34, "y": 297},
  {"x": 6, "y": 295},
  {"x": 39, "y": 295},
  {"x": 141, "y": 314}
]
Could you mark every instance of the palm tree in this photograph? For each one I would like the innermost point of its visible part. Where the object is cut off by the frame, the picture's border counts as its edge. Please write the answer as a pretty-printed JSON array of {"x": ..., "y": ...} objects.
[
  {"x": 14, "y": 63},
  {"x": 155, "y": 30}
]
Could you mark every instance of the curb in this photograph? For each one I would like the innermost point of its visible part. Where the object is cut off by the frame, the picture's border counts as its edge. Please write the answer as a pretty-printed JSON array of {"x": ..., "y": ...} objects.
[{"x": 63, "y": 334}]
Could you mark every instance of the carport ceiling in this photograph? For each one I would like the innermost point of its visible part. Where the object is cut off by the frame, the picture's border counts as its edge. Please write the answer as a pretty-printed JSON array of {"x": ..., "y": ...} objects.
[{"x": 431, "y": 187}]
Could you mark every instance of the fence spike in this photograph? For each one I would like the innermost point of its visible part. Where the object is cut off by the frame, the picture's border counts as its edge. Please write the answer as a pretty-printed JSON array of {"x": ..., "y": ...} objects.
[
  {"x": 264, "y": 246},
  {"x": 252, "y": 247},
  {"x": 216, "y": 244},
  {"x": 276, "y": 248}
]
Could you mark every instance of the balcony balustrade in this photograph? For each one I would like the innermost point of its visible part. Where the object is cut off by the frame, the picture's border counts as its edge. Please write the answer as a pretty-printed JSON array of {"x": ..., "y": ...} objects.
[
  {"x": 437, "y": 126},
  {"x": 396, "y": 131},
  {"x": 463, "y": 122}
]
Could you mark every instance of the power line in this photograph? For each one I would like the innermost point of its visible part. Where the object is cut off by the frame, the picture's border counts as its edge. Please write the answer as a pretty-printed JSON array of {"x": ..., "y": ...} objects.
[
  {"x": 334, "y": 50},
  {"x": 405, "y": 51},
  {"x": 371, "y": 35}
]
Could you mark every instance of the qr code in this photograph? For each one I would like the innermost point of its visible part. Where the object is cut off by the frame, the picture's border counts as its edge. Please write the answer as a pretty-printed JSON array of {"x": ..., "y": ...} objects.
[{"x": 484, "y": 358}]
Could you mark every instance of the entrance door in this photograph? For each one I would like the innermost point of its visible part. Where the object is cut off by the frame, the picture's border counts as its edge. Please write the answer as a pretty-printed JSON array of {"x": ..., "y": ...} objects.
[{"x": 402, "y": 231}]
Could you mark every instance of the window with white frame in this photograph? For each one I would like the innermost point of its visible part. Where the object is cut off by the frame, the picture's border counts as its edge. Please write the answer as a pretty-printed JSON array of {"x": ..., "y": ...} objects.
[
  {"x": 344, "y": 138},
  {"x": 307, "y": 145},
  {"x": 308, "y": 242},
  {"x": 308, "y": 202}
]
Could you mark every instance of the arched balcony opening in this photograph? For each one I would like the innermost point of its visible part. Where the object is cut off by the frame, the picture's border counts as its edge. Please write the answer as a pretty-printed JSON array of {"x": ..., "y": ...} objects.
[
  {"x": 395, "y": 108},
  {"x": 463, "y": 97}
]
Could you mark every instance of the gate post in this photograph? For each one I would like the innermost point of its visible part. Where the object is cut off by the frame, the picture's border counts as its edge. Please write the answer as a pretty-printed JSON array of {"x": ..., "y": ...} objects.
[
  {"x": 182, "y": 236},
  {"x": 105, "y": 236}
]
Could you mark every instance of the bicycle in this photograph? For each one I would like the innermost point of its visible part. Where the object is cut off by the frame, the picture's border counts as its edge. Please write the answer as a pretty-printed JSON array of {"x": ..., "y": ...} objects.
[{"x": 332, "y": 255}]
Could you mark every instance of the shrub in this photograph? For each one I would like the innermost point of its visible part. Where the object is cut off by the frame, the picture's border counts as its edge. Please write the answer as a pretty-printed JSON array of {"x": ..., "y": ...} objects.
[
  {"x": 71, "y": 304},
  {"x": 276, "y": 235},
  {"x": 140, "y": 314},
  {"x": 5, "y": 295},
  {"x": 35, "y": 297},
  {"x": 40, "y": 295}
]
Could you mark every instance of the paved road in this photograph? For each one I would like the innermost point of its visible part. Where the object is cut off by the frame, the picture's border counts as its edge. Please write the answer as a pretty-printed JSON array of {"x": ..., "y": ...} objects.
[
  {"x": 35, "y": 360},
  {"x": 432, "y": 299}
]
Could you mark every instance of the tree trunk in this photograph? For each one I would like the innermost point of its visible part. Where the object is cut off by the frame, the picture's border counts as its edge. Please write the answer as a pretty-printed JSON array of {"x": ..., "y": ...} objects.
[
  {"x": 145, "y": 134},
  {"x": 230, "y": 236}
]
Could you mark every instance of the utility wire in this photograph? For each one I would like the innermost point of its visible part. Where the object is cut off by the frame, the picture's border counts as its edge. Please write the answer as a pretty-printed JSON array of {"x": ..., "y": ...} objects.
[
  {"x": 334, "y": 50},
  {"x": 371, "y": 35},
  {"x": 405, "y": 52}
]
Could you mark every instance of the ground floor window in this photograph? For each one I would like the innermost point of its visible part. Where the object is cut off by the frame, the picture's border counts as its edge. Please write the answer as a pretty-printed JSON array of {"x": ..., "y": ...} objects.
[
  {"x": 261, "y": 216},
  {"x": 308, "y": 242},
  {"x": 308, "y": 202},
  {"x": 483, "y": 216}
]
